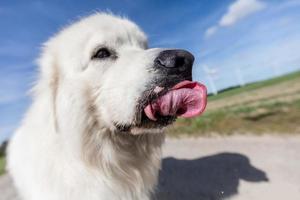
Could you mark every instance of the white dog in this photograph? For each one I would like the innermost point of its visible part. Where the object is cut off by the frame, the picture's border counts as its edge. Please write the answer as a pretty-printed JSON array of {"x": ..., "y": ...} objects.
[{"x": 94, "y": 130}]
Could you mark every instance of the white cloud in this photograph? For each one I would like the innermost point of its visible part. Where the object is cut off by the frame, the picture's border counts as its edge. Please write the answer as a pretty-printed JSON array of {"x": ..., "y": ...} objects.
[
  {"x": 210, "y": 31},
  {"x": 240, "y": 9},
  {"x": 236, "y": 11}
]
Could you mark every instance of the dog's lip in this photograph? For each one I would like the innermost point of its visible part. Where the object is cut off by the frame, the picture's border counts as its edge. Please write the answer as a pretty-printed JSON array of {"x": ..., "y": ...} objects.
[
  {"x": 154, "y": 93},
  {"x": 187, "y": 95},
  {"x": 158, "y": 89}
]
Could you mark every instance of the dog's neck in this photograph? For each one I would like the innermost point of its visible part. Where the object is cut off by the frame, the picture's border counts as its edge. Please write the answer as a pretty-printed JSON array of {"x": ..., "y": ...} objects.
[{"x": 132, "y": 161}]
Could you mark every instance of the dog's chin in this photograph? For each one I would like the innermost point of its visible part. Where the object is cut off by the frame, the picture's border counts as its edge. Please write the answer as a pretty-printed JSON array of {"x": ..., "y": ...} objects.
[
  {"x": 161, "y": 122},
  {"x": 143, "y": 124},
  {"x": 146, "y": 125}
]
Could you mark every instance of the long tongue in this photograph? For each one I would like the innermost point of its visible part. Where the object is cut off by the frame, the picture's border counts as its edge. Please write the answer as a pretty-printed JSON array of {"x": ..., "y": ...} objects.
[{"x": 186, "y": 99}]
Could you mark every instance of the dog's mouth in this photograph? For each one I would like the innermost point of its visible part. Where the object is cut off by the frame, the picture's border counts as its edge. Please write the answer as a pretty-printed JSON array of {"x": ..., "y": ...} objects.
[
  {"x": 163, "y": 105},
  {"x": 186, "y": 99}
]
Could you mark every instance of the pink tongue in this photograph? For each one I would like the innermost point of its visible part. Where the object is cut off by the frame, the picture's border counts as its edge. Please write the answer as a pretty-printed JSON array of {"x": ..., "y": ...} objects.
[{"x": 186, "y": 99}]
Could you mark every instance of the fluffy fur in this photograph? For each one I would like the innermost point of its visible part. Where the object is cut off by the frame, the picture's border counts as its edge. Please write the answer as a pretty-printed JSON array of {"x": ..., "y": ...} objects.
[{"x": 69, "y": 146}]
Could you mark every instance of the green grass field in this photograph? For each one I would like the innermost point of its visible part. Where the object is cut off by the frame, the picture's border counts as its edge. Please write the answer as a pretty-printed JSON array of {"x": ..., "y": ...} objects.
[
  {"x": 2, "y": 165},
  {"x": 276, "y": 114},
  {"x": 269, "y": 118}
]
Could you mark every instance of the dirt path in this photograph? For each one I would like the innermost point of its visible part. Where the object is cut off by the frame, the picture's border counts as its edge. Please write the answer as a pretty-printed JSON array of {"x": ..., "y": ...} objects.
[{"x": 236, "y": 168}]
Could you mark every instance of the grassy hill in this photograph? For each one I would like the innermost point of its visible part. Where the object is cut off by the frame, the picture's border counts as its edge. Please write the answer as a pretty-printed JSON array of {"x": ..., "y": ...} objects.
[
  {"x": 254, "y": 86},
  {"x": 2, "y": 165},
  {"x": 2, "y": 157},
  {"x": 271, "y": 106}
]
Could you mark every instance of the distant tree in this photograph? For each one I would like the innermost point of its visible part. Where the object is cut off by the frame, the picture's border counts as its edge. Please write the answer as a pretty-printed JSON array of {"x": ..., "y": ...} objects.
[{"x": 3, "y": 148}]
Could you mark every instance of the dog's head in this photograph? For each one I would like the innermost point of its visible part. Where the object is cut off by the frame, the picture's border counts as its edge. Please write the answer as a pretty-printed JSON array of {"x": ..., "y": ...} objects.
[{"x": 104, "y": 61}]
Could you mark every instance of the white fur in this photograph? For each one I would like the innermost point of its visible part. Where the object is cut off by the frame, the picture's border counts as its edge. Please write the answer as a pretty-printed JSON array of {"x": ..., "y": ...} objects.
[{"x": 67, "y": 147}]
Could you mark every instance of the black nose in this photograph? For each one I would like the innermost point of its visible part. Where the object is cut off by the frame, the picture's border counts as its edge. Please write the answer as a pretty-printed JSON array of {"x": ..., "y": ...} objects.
[{"x": 175, "y": 62}]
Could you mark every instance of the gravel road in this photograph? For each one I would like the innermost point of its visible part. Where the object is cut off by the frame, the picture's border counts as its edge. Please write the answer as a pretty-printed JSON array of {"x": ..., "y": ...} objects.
[{"x": 219, "y": 168}]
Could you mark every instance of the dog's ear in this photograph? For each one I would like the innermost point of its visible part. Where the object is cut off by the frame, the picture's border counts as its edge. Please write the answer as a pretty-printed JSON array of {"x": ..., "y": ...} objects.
[{"x": 48, "y": 82}]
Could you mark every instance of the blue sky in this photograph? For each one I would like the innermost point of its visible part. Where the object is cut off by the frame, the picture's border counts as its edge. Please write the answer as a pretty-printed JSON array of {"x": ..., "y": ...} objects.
[{"x": 255, "y": 39}]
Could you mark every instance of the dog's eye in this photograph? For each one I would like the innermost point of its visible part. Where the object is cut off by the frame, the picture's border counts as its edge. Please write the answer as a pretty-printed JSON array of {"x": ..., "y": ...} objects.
[{"x": 102, "y": 53}]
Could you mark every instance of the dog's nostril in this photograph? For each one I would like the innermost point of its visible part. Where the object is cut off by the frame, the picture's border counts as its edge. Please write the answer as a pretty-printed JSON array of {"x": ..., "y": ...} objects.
[
  {"x": 179, "y": 62},
  {"x": 159, "y": 62},
  {"x": 175, "y": 61}
]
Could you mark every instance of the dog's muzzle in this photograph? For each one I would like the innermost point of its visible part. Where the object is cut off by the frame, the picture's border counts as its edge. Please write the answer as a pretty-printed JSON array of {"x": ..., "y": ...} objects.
[{"x": 171, "y": 93}]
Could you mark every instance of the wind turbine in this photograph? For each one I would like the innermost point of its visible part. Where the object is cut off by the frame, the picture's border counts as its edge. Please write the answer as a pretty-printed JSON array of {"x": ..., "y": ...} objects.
[
  {"x": 211, "y": 74},
  {"x": 239, "y": 76}
]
